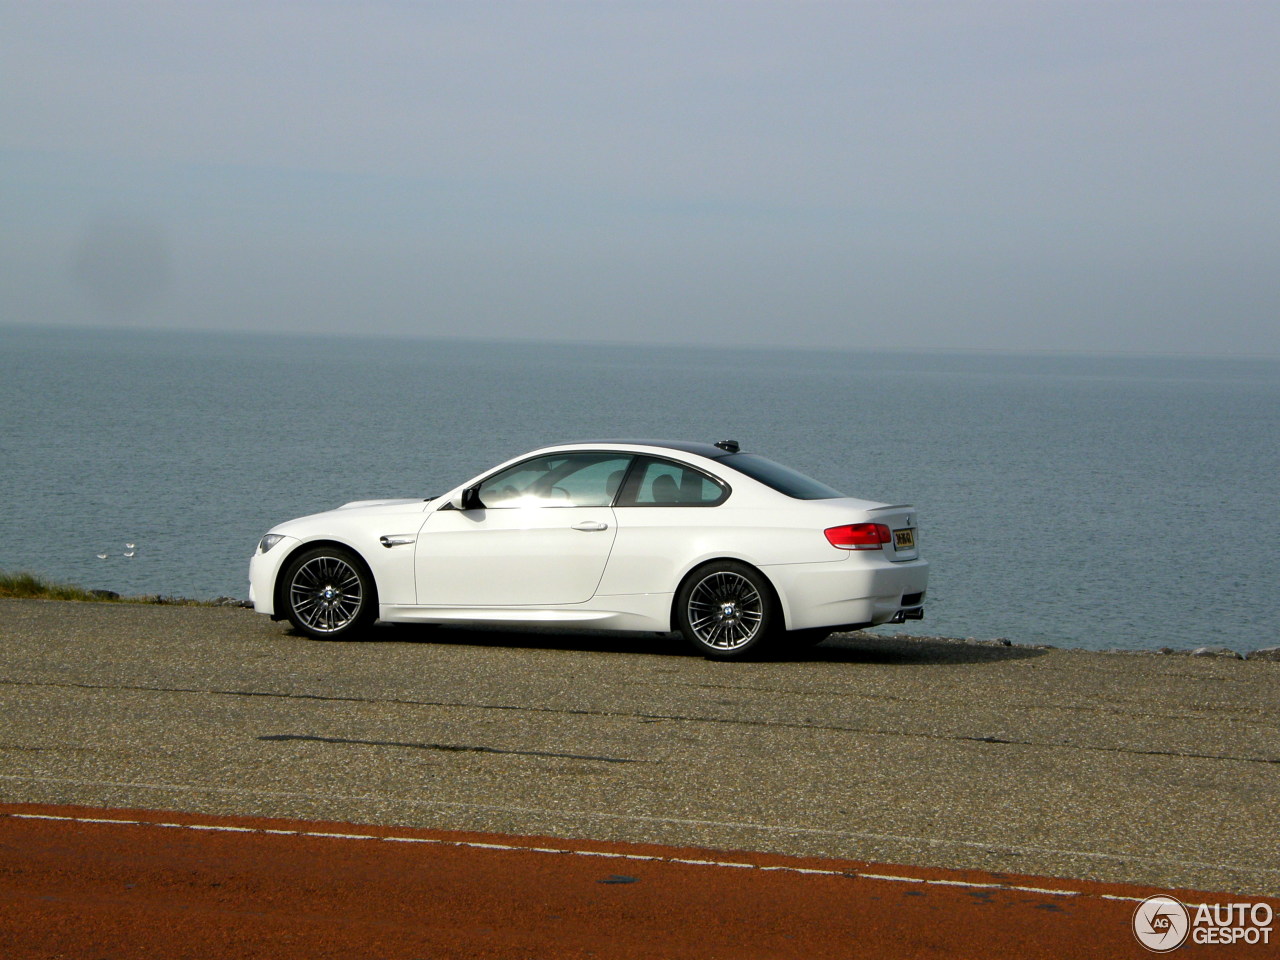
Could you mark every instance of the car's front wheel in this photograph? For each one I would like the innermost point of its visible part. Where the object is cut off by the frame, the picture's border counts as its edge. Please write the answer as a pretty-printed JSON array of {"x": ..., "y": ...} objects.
[
  {"x": 726, "y": 610},
  {"x": 328, "y": 594}
]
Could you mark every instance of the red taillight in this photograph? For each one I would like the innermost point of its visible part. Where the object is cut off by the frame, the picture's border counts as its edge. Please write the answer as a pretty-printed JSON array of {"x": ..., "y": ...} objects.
[{"x": 859, "y": 536}]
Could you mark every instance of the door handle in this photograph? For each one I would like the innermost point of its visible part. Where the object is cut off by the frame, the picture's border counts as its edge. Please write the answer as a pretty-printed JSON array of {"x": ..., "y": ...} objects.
[{"x": 591, "y": 526}]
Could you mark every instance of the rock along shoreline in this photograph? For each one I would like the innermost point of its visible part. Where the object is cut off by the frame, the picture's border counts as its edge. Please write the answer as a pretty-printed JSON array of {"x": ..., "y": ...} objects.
[{"x": 1270, "y": 654}]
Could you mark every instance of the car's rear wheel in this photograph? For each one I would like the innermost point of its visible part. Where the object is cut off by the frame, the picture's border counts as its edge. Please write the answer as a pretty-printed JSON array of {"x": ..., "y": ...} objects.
[
  {"x": 328, "y": 594},
  {"x": 726, "y": 610}
]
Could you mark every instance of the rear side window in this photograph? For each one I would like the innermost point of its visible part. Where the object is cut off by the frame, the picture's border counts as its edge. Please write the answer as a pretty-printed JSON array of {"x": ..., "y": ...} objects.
[
  {"x": 664, "y": 483},
  {"x": 793, "y": 483}
]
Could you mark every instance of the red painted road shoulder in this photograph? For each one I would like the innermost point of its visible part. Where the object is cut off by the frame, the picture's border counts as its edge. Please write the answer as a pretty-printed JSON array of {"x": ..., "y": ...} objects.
[{"x": 81, "y": 882}]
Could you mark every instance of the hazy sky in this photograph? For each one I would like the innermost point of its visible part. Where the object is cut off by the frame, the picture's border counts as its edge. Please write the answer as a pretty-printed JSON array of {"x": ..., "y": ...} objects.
[{"x": 1028, "y": 175}]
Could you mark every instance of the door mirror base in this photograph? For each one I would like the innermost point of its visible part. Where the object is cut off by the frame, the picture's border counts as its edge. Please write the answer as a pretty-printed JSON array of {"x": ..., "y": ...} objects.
[{"x": 466, "y": 499}]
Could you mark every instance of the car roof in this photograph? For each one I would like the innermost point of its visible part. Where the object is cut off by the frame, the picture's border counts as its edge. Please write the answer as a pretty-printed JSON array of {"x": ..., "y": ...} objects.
[{"x": 708, "y": 450}]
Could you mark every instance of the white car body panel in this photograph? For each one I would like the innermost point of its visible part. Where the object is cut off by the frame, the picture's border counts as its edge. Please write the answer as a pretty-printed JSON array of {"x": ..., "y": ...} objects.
[
  {"x": 357, "y": 527},
  {"x": 621, "y": 568},
  {"x": 513, "y": 557},
  {"x": 836, "y": 593}
]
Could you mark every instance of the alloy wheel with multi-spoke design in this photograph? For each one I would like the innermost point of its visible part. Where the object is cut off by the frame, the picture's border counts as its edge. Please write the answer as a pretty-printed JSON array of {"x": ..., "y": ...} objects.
[
  {"x": 327, "y": 594},
  {"x": 724, "y": 609}
]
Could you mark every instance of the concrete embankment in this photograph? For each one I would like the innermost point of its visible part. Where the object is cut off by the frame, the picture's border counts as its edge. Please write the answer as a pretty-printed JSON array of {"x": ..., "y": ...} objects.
[{"x": 1159, "y": 770}]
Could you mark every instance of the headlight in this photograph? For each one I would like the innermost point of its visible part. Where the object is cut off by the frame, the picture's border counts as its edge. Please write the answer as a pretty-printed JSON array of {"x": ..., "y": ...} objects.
[{"x": 269, "y": 541}]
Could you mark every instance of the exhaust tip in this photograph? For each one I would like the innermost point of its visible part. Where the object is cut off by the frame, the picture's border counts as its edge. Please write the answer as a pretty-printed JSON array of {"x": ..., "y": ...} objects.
[{"x": 902, "y": 616}]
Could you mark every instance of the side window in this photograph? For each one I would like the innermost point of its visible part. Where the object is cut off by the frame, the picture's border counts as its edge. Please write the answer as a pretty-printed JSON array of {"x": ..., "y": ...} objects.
[
  {"x": 662, "y": 483},
  {"x": 557, "y": 480}
]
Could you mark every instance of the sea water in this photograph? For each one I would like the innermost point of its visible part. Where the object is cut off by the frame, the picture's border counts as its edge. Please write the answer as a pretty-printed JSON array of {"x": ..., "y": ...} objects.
[{"x": 1101, "y": 502}]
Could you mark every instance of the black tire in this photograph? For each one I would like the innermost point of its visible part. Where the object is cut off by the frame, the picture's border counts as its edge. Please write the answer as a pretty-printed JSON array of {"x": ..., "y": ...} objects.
[
  {"x": 328, "y": 594},
  {"x": 727, "y": 610}
]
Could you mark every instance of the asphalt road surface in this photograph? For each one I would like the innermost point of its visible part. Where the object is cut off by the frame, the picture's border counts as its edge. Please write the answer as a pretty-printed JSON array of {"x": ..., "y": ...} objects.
[{"x": 1155, "y": 770}]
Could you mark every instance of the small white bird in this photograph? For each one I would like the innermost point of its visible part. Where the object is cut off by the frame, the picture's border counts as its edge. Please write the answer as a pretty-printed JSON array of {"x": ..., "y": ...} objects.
[
  {"x": 128, "y": 553},
  {"x": 129, "y": 546},
  {"x": 102, "y": 556}
]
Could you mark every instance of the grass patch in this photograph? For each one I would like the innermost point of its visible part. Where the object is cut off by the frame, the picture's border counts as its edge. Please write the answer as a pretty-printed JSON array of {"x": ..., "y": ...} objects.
[{"x": 29, "y": 586}]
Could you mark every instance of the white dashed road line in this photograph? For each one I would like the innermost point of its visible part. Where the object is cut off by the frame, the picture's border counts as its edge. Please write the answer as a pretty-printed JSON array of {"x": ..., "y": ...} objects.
[{"x": 563, "y": 851}]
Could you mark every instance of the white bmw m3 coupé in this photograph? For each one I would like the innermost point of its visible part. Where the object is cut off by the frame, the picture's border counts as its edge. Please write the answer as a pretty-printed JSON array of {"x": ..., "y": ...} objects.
[{"x": 734, "y": 551}]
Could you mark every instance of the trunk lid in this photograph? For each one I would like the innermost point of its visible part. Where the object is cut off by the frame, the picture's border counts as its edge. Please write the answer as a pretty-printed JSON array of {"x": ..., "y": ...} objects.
[{"x": 903, "y": 524}]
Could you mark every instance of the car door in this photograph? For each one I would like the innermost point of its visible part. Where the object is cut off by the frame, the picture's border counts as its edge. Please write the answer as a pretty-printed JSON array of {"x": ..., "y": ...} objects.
[
  {"x": 667, "y": 513},
  {"x": 540, "y": 534}
]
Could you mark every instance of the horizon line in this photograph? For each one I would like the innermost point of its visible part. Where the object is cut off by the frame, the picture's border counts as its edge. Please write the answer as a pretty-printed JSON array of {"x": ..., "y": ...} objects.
[{"x": 391, "y": 335}]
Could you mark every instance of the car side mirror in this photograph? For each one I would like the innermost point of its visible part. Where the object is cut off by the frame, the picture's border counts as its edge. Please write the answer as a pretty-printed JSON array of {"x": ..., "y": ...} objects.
[{"x": 467, "y": 499}]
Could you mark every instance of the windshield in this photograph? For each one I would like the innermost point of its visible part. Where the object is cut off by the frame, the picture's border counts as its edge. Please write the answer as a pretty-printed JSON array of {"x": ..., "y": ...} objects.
[{"x": 793, "y": 483}]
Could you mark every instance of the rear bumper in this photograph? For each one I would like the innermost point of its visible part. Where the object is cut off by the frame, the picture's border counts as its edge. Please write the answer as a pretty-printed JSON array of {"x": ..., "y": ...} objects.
[{"x": 848, "y": 592}]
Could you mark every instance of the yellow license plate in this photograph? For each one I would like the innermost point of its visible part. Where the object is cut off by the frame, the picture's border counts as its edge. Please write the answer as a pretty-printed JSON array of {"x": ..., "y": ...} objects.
[{"x": 904, "y": 539}]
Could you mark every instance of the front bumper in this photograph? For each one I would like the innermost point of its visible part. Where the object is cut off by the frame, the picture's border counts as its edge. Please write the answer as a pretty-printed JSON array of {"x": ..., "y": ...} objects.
[{"x": 264, "y": 568}]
